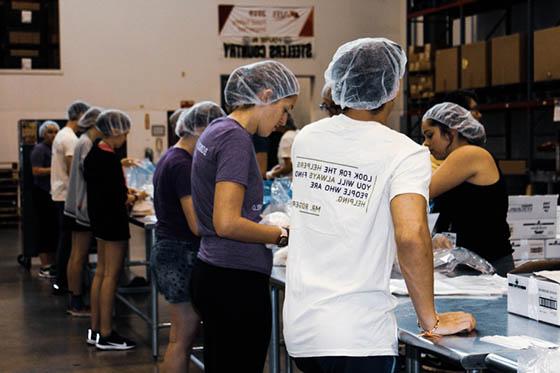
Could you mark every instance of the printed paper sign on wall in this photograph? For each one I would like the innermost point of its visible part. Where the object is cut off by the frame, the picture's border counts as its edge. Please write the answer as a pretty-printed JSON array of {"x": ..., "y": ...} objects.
[{"x": 266, "y": 32}]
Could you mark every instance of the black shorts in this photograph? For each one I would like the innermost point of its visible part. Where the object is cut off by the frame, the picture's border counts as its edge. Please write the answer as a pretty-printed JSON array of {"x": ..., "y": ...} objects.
[
  {"x": 46, "y": 218},
  {"x": 72, "y": 225},
  {"x": 111, "y": 229}
]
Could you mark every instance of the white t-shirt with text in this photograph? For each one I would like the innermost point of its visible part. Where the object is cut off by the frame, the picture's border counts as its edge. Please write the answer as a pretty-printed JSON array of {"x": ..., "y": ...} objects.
[
  {"x": 342, "y": 243},
  {"x": 62, "y": 147}
]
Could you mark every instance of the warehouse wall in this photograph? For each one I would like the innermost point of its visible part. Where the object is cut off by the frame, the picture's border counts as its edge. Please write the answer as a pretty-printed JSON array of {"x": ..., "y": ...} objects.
[{"x": 132, "y": 55}]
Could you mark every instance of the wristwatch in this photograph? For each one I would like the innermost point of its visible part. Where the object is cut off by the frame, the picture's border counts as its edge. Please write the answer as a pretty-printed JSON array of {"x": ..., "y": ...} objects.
[{"x": 283, "y": 239}]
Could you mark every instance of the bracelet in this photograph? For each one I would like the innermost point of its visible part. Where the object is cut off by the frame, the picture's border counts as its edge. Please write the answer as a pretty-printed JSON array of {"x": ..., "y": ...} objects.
[{"x": 432, "y": 330}]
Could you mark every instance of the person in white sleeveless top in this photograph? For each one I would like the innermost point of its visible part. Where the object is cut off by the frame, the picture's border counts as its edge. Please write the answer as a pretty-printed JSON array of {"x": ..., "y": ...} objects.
[{"x": 360, "y": 195}]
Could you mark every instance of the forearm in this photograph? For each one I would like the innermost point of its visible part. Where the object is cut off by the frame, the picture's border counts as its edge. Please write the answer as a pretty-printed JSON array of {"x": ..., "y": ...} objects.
[
  {"x": 41, "y": 171},
  {"x": 245, "y": 230},
  {"x": 416, "y": 262}
]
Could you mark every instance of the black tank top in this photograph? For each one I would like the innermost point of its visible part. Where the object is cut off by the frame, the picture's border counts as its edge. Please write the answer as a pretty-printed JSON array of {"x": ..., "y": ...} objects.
[{"x": 477, "y": 214}]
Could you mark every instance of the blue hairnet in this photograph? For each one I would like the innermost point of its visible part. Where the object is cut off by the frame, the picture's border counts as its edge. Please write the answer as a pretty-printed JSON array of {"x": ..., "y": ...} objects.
[
  {"x": 198, "y": 117},
  {"x": 365, "y": 73},
  {"x": 458, "y": 118},
  {"x": 246, "y": 83},
  {"x": 77, "y": 109},
  {"x": 46, "y": 124},
  {"x": 113, "y": 122},
  {"x": 88, "y": 119}
]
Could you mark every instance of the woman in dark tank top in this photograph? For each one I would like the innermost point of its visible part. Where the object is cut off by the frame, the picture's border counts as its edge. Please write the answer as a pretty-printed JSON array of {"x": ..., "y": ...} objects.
[{"x": 468, "y": 188}]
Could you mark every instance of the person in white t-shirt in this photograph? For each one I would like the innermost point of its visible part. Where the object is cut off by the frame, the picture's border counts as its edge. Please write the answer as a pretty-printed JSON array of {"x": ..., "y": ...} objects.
[
  {"x": 61, "y": 162},
  {"x": 360, "y": 194},
  {"x": 284, "y": 166}
]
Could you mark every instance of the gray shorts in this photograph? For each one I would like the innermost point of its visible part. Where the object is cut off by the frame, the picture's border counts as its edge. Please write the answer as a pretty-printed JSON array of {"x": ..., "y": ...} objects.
[{"x": 171, "y": 263}]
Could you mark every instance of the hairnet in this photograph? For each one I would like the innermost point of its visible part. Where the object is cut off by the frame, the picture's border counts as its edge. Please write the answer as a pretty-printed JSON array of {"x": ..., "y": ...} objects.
[
  {"x": 246, "y": 83},
  {"x": 365, "y": 73},
  {"x": 175, "y": 117},
  {"x": 458, "y": 118},
  {"x": 113, "y": 123},
  {"x": 327, "y": 90},
  {"x": 76, "y": 109},
  {"x": 46, "y": 124},
  {"x": 197, "y": 117},
  {"x": 88, "y": 119}
]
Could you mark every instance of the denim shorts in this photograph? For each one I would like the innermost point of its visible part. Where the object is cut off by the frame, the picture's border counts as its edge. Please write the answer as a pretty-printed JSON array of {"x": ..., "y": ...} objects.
[{"x": 171, "y": 263}]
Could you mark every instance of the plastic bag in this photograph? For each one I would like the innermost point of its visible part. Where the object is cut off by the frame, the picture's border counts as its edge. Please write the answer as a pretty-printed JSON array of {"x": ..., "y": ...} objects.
[
  {"x": 446, "y": 260},
  {"x": 140, "y": 176},
  {"x": 538, "y": 360},
  {"x": 280, "y": 198}
]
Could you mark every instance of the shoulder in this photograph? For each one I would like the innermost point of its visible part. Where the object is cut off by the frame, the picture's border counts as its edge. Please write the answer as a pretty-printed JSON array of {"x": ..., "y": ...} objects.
[{"x": 470, "y": 153}]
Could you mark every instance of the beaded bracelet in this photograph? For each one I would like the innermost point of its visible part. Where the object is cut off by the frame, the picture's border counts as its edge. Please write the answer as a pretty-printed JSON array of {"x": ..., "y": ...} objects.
[{"x": 431, "y": 331}]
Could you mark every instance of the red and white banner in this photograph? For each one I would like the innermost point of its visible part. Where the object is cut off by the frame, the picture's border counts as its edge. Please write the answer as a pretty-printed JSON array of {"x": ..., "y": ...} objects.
[{"x": 266, "y": 32}]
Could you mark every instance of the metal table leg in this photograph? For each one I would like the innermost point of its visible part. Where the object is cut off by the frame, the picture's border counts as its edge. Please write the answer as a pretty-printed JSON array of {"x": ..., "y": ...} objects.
[
  {"x": 412, "y": 359},
  {"x": 274, "y": 360},
  {"x": 149, "y": 241}
]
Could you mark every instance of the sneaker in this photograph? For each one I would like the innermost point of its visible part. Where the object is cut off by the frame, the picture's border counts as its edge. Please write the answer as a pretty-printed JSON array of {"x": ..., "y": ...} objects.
[
  {"x": 114, "y": 342},
  {"x": 46, "y": 272},
  {"x": 79, "y": 312},
  {"x": 92, "y": 337}
]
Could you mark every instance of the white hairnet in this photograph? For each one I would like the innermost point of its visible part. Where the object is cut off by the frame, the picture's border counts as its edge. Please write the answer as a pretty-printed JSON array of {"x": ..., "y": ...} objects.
[
  {"x": 77, "y": 109},
  {"x": 458, "y": 118},
  {"x": 88, "y": 119},
  {"x": 365, "y": 73},
  {"x": 246, "y": 83},
  {"x": 46, "y": 124},
  {"x": 327, "y": 90},
  {"x": 113, "y": 122},
  {"x": 197, "y": 117}
]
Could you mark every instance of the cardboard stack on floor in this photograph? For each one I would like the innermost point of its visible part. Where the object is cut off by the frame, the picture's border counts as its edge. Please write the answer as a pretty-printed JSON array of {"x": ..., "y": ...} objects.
[{"x": 533, "y": 226}]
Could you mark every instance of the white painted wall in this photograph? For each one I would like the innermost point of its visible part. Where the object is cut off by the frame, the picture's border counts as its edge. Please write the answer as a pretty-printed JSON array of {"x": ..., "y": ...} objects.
[{"x": 130, "y": 54}]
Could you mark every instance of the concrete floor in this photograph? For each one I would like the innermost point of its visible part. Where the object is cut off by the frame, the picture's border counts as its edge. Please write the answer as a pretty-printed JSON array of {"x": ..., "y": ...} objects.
[{"x": 36, "y": 335}]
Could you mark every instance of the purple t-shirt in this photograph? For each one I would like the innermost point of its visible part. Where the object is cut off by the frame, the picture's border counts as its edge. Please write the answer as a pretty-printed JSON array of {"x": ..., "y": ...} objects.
[
  {"x": 172, "y": 181},
  {"x": 225, "y": 152}
]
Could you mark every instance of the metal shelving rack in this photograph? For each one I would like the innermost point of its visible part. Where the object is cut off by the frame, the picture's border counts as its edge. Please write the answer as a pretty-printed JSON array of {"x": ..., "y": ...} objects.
[{"x": 437, "y": 16}]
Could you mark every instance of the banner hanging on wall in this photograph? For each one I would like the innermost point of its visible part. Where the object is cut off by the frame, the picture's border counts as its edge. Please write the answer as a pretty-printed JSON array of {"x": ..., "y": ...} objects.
[{"x": 266, "y": 32}]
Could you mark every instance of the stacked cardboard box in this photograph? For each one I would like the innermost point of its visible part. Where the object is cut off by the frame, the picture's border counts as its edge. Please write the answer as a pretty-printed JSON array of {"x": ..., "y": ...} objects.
[
  {"x": 533, "y": 297},
  {"x": 532, "y": 221},
  {"x": 447, "y": 70},
  {"x": 421, "y": 65}
]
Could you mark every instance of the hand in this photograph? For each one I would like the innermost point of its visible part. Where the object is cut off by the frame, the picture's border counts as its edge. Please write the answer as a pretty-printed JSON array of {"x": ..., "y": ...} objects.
[
  {"x": 129, "y": 162},
  {"x": 141, "y": 195},
  {"x": 439, "y": 241},
  {"x": 131, "y": 199},
  {"x": 453, "y": 323}
]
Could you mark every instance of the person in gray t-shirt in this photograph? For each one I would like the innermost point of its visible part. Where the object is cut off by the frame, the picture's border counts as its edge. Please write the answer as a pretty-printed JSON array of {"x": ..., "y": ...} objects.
[{"x": 75, "y": 208}]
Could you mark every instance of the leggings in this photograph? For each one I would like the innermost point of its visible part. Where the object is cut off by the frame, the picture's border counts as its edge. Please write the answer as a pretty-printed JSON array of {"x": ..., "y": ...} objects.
[{"x": 236, "y": 312}]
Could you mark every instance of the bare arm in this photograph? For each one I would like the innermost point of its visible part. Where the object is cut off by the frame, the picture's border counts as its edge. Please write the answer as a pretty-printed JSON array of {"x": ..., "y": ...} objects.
[
  {"x": 460, "y": 166},
  {"x": 414, "y": 247},
  {"x": 40, "y": 171},
  {"x": 68, "y": 160},
  {"x": 229, "y": 223},
  {"x": 190, "y": 214}
]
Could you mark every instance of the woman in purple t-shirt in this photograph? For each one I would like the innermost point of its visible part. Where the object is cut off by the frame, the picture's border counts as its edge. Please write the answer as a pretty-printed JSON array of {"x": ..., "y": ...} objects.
[
  {"x": 172, "y": 256},
  {"x": 231, "y": 274}
]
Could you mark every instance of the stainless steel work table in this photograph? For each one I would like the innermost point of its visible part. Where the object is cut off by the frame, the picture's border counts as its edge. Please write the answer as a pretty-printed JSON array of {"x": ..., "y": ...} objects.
[{"x": 468, "y": 351}]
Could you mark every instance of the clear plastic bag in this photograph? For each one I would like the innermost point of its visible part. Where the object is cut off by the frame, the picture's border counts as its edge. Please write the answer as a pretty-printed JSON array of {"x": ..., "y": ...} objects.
[
  {"x": 280, "y": 199},
  {"x": 140, "y": 176},
  {"x": 446, "y": 260},
  {"x": 538, "y": 360}
]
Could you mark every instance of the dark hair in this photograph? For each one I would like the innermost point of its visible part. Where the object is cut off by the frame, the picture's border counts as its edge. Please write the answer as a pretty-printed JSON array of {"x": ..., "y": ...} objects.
[
  {"x": 290, "y": 124},
  {"x": 461, "y": 98},
  {"x": 445, "y": 130}
]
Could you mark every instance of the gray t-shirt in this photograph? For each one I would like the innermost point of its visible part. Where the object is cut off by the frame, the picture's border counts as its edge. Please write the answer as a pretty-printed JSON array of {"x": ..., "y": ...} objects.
[
  {"x": 41, "y": 157},
  {"x": 225, "y": 152},
  {"x": 76, "y": 200}
]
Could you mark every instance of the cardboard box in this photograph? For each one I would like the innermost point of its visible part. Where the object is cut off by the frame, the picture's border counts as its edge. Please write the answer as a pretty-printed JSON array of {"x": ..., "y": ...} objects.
[
  {"x": 447, "y": 70},
  {"x": 532, "y": 207},
  {"x": 533, "y": 297},
  {"x": 474, "y": 65},
  {"x": 508, "y": 60},
  {"x": 528, "y": 249},
  {"x": 533, "y": 229},
  {"x": 513, "y": 167},
  {"x": 546, "y": 56},
  {"x": 552, "y": 249}
]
